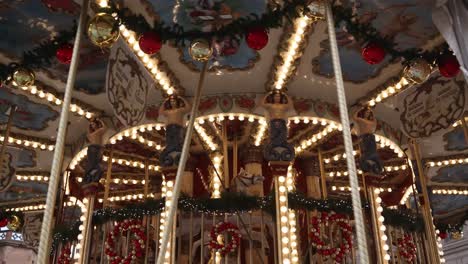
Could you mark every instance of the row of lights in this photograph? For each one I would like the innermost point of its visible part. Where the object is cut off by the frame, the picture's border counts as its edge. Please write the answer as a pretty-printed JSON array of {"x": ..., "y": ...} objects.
[
  {"x": 54, "y": 100},
  {"x": 39, "y": 178},
  {"x": 26, "y": 208},
  {"x": 166, "y": 191},
  {"x": 216, "y": 181},
  {"x": 387, "y": 168},
  {"x": 292, "y": 220},
  {"x": 348, "y": 188},
  {"x": 314, "y": 138},
  {"x": 384, "y": 142},
  {"x": 131, "y": 163},
  {"x": 389, "y": 91},
  {"x": 440, "y": 246},
  {"x": 284, "y": 231},
  {"x": 28, "y": 143},
  {"x": 80, "y": 243},
  {"x": 380, "y": 225},
  {"x": 126, "y": 197},
  {"x": 447, "y": 162},
  {"x": 450, "y": 191},
  {"x": 406, "y": 195},
  {"x": 118, "y": 181},
  {"x": 207, "y": 139},
  {"x": 133, "y": 134},
  {"x": 283, "y": 70}
]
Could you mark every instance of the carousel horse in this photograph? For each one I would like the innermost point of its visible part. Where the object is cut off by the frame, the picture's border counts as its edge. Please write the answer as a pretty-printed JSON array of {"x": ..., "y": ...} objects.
[{"x": 244, "y": 180}]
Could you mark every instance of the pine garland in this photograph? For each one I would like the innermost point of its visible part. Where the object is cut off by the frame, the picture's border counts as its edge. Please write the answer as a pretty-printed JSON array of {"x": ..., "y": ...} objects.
[{"x": 231, "y": 202}]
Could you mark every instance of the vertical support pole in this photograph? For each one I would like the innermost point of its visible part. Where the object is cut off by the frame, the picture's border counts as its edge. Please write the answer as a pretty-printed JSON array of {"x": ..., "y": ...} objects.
[
  {"x": 353, "y": 180},
  {"x": 54, "y": 179},
  {"x": 465, "y": 129},
  {"x": 426, "y": 209},
  {"x": 89, "y": 229},
  {"x": 225, "y": 156},
  {"x": 191, "y": 238},
  {"x": 105, "y": 202},
  {"x": 181, "y": 168},
  {"x": 202, "y": 239},
  {"x": 146, "y": 187},
  {"x": 323, "y": 176}
]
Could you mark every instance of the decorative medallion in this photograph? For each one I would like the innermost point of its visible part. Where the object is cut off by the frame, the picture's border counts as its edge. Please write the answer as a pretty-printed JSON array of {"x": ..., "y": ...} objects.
[
  {"x": 245, "y": 101},
  {"x": 433, "y": 106},
  {"x": 225, "y": 103},
  {"x": 127, "y": 85},
  {"x": 207, "y": 103}
]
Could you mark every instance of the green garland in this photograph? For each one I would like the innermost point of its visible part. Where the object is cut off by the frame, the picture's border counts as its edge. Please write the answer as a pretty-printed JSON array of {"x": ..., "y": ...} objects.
[
  {"x": 235, "y": 203},
  {"x": 365, "y": 32},
  {"x": 39, "y": 56}
]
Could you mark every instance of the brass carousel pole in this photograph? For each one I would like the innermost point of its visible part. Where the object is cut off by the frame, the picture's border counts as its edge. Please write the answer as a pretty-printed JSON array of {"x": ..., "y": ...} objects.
[
  {"x": 181, "y": 168},
  {"x": 54, "y": 179},
  {"x": 425, "y": 207},
  {"x": 465, "y": 128}
]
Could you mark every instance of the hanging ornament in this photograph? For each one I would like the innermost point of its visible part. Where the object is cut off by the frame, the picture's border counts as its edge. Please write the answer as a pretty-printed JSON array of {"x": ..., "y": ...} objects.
[
  {"x": 217, "y": 238},
  {"x": 448, "y": 65},
  {"x": 417, "y": 71},
  {"x": 15, "y": 223},
  {"x": 373, "y": 53},
  {"x": 456, "y": 235},
  {"x": 64, "y": 53},
  {"x": 23, "y": 77},
  {"x": 200, "y": 50},
  {"x": 103, "y": 30},
  {"x": 150, "y": 42},
  {"x": 3, "y": 222},
  {"x": 316, "y": 10},
  {"x": 65, "y": 254},
  {"x": 257, "y": 38},
  {"x": 443, "y": 235}
]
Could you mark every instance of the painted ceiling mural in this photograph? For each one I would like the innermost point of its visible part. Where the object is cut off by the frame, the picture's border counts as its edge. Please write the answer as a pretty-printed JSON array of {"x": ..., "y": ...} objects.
[
  {"x": 24, "y": 190},
  {"x": 404, "y": 21},
  {"x": 29, "y": 115},
  {"x": 229, "y": 53},
  {"x": 22, "y": 158},
  {"x": 442, "y": 204},
  {"x": 455, "y": 140},
  {"x": 452, "y": 174}
]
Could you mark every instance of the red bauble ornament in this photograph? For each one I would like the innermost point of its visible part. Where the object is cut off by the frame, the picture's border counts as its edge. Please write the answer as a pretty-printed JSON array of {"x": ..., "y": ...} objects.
[
  {"x": 448, "y": 65},
  {"x": 64, "y": 53},
  {"x": 443, "y": 235},
  {"x": 3, "y": 222},
  {"x": 257, "y": 38},
  {"x": 373, "y": 53},
  {"x": 150, "y": 42}
]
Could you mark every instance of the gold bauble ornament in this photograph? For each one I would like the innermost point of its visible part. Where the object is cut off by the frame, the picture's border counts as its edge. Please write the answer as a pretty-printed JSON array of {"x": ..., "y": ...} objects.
[
  {"x": 456, "y": 235},
  {"x": 417, "y": 71},
  {"x": 316, "y": 10},
  {"x": 23, "y": 77},
  {"x": 103, "y": 30},
  {"x": 15, "y": 223},
  {"x": 200, "y": 50}
]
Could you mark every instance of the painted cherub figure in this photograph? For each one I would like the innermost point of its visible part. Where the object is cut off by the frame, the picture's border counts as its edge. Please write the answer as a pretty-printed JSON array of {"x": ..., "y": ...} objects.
[
  {"x": 93, "y": 170},
  {"x": 366, "y": 125},
  {"x": 173, "y": 109},
  {"x": 277, "y": 104}
]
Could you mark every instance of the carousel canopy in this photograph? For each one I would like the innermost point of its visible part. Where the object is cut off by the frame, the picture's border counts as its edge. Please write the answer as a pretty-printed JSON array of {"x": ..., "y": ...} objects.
[{"x": 393, "y": 58}]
